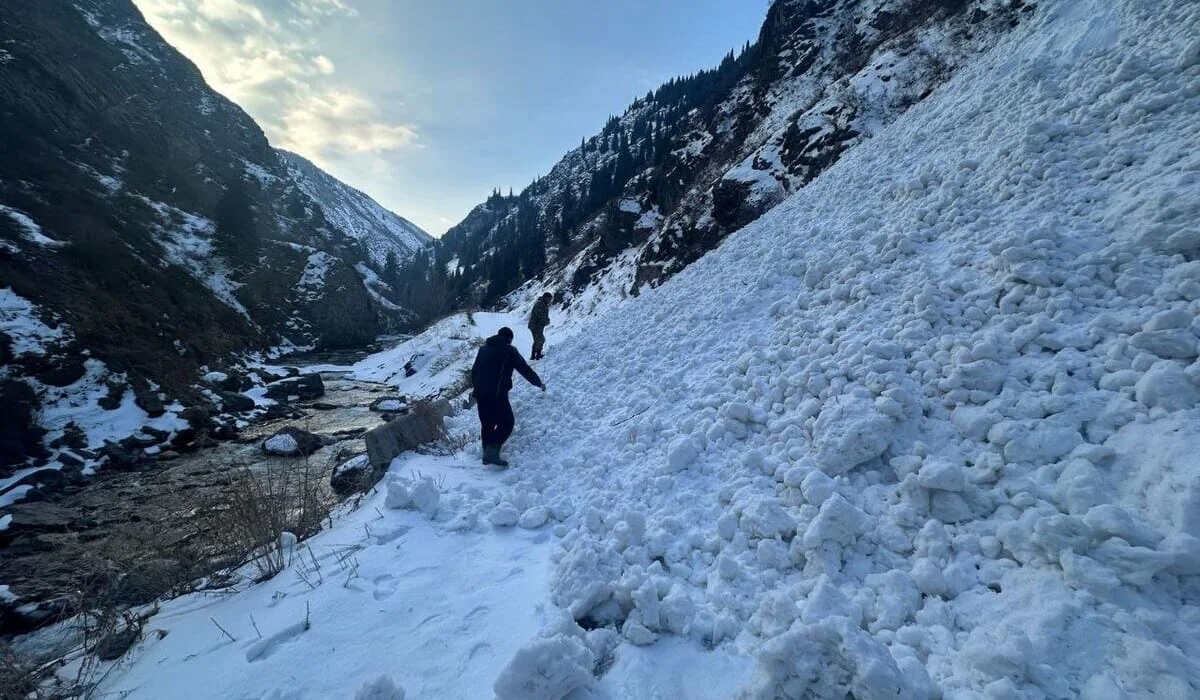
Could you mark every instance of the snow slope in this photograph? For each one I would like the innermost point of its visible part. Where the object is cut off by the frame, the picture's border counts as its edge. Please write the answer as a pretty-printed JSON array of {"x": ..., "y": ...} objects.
[
  {"x": 355, "y": 214},
  {"x": 925, "y": 430}
]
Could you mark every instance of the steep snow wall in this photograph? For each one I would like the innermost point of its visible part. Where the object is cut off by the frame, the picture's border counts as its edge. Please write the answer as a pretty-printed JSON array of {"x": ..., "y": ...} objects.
[{"x": 923, "y": 426}]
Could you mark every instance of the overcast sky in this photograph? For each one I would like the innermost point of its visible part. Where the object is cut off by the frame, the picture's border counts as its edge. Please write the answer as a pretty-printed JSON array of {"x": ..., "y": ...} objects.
[{"x": 427, "y": 105}]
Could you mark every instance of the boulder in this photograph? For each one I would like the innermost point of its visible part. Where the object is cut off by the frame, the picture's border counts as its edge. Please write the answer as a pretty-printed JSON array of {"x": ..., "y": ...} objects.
[
  {"x": 354, "y": 475},
  {"x": 292, "y": 442},
  {"x": 389, "y": 404},
  {"x": 305, "y": 387},
  {"x": 49, "y": 480},
  {"x": 232, "y": 402},
  {"x": 147, "y": 398},
  {"x": 114, "y": 645},
  {"x": 121, "y": 457},
  {"x": 112, "y": 400},
  {"x": 198, "y": 418},
  {"x": 20, "y": 434},
  {"x": 404, "y": 433}
]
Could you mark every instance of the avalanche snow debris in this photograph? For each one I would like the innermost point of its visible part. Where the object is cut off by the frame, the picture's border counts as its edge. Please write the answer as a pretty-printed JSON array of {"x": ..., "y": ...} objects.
[{"x": 928, "y": 427}]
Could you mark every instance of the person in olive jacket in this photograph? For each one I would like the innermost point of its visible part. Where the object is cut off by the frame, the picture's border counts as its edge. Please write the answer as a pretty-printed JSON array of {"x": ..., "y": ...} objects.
[
  {"x": 491, "y": 376},
  {"x": 539, "y": 318}
]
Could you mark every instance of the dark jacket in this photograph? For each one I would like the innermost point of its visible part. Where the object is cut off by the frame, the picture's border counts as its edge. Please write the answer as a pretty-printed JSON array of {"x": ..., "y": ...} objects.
[
  {"x": 491, "y": 374},
  {"x": 539, "y": 318}
]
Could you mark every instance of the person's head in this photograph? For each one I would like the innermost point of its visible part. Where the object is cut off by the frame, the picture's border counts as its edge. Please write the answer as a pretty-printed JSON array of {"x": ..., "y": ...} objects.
[
  {"x": 547, "y": 296},
  {"x": 505, "y": 333}
]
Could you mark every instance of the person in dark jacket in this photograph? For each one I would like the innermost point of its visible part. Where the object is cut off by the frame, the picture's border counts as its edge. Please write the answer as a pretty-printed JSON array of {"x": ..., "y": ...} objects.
[
  {"x": 491, "y": 376},
  {"x": 539, "y": 318}
]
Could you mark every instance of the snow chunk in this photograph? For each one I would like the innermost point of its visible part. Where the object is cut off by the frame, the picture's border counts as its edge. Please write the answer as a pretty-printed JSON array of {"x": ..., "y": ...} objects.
[
  {"x": 1041, "y": 444},
  {"x": 549, "y": 669},
  {"x": 504, "y": 515},
  {"x": 1167, "y": 386},
  {"x": 830, "y": 659},
  {"x": 534, "y": 518},
  {"x": 850, "y": 432},
  {"x": 943, "y": 475},
  {"x": 406, "y": 494},
  {"x": 382, "y": 688},
  {"x": 682, "y": 452},
  {"x": 215, "y": 377},
  {"x": 838, "y": 521},
  {"x": 766, "y": 518},
  {"x": 817, "y": 487}
]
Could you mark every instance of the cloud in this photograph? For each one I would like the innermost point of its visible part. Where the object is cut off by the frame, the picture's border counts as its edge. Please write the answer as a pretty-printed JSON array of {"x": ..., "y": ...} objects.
[{"x": 260, "y": 54}]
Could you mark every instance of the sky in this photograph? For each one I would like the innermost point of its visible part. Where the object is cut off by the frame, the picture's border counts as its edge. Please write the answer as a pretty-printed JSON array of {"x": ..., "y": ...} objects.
[{"x": 428, "y": 106}]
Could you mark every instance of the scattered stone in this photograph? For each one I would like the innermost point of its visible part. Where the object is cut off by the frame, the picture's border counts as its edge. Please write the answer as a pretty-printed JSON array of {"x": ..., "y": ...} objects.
[
  {"x": 122, "y": 458},
  {"x": 112, "y": 401},
  {"x": 147, "y": 398},
  {"x": 292, "y": 442},
  {"x": 305, "y": 388},
  {"x": 114, "y": 645},
  {"x": 353, "y": 476},
  {"x": 233, "y": 402},
  {"x": 389, "y": 404},
  {"x": 322, "y": 406},
  {"x": 72, "y": 437},
  {"x": 197, "y": 417}
]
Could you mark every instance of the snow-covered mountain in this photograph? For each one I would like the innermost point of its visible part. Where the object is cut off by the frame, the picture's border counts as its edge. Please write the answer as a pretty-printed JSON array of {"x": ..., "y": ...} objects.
[
  {"x": 355, "y": 214},
  {"x": 704, "y": 155},
  {"x": 145, "y": 219},
  {"x": 927, "y": 429}
]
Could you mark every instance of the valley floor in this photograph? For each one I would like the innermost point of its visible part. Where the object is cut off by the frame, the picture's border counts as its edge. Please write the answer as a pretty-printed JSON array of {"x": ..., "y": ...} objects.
[{"x": 925, "y": 430}]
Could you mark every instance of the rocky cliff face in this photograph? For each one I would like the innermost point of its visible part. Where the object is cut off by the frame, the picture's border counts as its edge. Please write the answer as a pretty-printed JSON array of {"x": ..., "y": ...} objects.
[
  {"x": 702, "y": 156},
  {"x": 147, "y": 228},
  {"x": 356, "y": 214}
]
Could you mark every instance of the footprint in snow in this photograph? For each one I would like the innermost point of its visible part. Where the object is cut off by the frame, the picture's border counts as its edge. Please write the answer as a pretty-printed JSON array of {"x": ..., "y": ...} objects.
[
  {"x": 266, "y": 647},
  {"x": 385, "y": 587}
]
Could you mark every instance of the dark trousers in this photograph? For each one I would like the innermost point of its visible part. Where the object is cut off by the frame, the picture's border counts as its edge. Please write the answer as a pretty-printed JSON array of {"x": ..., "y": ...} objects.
[
  {"x": 495, "y": 419},
  {"x": 539, "y": 341}
]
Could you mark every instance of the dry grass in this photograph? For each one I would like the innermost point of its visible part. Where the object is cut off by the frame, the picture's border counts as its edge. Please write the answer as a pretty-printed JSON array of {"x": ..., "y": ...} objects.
[{"x": 262, "y": 505}]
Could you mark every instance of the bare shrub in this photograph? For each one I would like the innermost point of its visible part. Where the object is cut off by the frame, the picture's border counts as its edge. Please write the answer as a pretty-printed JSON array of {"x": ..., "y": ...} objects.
[
  {"x": 264, "y": 504},
  {"x": 19, "y": 678}
]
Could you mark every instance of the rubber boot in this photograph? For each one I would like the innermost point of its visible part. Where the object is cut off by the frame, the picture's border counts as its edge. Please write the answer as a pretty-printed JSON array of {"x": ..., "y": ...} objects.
[{"x": 491, "y": 455}]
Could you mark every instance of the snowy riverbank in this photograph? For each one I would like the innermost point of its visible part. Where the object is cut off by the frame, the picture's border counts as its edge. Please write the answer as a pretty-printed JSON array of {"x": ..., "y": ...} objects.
[{"x": 925, "y": 430}]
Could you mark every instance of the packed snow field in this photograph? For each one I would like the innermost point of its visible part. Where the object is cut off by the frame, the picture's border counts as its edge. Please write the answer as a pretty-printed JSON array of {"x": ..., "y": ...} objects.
[{"x": 925, "y": 430}]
